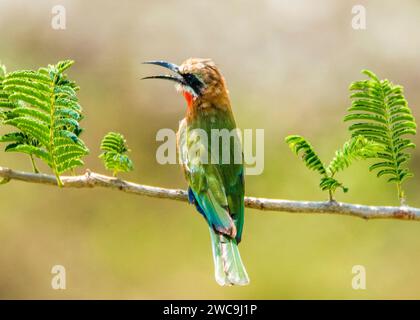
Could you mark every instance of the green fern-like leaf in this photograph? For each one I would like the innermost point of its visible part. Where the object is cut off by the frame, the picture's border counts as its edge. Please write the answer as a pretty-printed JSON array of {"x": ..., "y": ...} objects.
[
  {"x": 357, "y": 148},
  {"x": 45, "y": 108},
  {"x": 310, "y": 158},
  {"x": 331, "y": 184},
  {"x": 114, "y": 148},
  {"x": 16, "y": 140},
  {"x": 380, "y": 112},
  {"x": 300, "y": 145},
  {"x": 5, "y": 104}
]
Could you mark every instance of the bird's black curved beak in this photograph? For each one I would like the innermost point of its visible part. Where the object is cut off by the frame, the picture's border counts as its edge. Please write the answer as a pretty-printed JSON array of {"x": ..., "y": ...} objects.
[
  {"x": 178, "y": 78},
  {"x": 188, "y": 80}
]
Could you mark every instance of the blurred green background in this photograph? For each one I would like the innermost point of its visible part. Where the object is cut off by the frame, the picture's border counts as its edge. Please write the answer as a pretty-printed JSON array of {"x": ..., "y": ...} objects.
[{"x": 288, "y": 65}]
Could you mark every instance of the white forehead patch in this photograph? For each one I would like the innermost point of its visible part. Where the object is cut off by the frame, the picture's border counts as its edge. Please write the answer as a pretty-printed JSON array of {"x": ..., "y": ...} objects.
[{"x": 186, "y": 67}]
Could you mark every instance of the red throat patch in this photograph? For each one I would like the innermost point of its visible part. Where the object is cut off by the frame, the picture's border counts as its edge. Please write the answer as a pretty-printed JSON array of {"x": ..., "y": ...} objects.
[{"x": 188, "y": 97}]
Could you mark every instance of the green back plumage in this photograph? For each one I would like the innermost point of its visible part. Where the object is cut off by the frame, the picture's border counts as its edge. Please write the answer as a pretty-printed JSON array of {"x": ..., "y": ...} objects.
[{"x": 217, "y": 187}]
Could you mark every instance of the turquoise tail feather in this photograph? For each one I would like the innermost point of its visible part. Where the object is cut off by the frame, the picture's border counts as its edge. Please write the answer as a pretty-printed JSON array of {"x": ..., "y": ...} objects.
[{"x": 229, "y": 269}]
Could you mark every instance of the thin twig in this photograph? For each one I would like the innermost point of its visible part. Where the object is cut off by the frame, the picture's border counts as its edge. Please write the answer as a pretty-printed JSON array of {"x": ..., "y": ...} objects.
[{"x": 92, "y": 179}]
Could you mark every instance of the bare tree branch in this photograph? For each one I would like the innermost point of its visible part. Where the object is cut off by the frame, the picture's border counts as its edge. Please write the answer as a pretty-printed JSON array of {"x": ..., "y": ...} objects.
[{"x": 92, "y": 179}]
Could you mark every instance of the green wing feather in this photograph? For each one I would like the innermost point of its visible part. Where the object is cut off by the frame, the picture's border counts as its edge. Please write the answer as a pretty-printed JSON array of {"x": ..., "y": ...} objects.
[{"x": 218, "y": 188}]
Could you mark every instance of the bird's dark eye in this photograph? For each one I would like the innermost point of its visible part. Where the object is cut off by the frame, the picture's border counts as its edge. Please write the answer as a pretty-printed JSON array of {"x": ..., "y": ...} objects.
[{"x": 193, "y": 82}]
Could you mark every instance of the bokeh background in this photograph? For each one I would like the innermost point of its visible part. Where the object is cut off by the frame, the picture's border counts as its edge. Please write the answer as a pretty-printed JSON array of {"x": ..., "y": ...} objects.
[{"x": 288, "y": 66}]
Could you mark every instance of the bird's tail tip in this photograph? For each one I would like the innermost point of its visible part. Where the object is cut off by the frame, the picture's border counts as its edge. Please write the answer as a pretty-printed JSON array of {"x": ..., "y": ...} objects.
[
  {"x": 225, "y": 281},
  {"x": 229, "y": 268}
]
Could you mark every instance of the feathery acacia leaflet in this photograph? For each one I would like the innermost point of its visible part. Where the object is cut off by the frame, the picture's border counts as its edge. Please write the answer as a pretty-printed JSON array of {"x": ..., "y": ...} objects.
[
  {"x": 44, "y": 107},
  {"x": 114, "y": 147},
  {"x": 357, "y": 148},
  {"x": 380, "y": 112}
]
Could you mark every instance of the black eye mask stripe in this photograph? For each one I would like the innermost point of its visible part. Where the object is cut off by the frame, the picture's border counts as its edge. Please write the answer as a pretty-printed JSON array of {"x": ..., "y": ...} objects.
[{"x": 193, "y": 82}]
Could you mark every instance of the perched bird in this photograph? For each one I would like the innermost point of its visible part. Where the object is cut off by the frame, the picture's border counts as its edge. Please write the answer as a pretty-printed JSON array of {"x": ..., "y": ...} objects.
[{"x": 216, "y": 189}]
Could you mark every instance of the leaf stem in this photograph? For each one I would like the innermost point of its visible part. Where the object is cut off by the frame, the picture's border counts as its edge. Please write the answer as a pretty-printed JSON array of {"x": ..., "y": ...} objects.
[
  {"x": 34, "y": 167},
  {"x": 401, "y": 195},
  {"x": 330, "y": 195}
]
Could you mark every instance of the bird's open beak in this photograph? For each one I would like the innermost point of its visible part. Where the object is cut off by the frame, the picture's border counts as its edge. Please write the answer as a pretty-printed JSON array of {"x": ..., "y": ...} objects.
[{"x": 171, "y": 66}]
